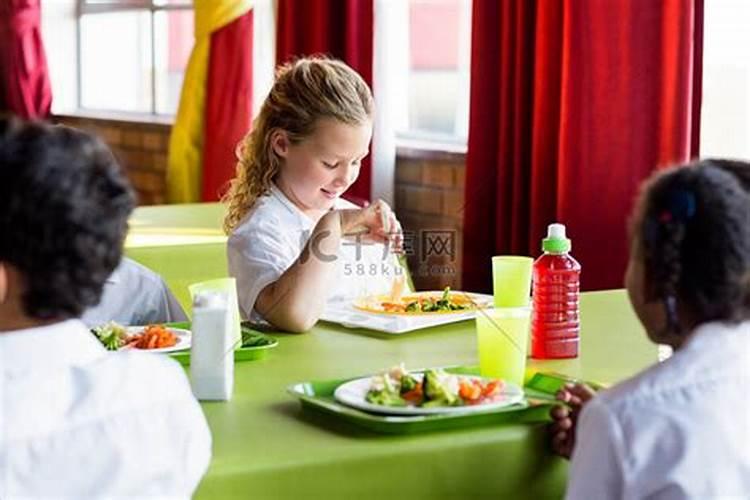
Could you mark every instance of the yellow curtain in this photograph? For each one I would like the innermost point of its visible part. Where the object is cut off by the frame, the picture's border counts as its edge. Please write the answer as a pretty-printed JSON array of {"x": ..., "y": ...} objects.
[{"x": 185, "y": 162}]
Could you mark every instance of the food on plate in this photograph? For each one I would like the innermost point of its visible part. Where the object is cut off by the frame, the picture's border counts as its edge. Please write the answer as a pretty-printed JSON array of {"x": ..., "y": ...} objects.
[
  {"x": 255, "y": 339},
  {"x": 112, "y": 335},
  {"x": 419, "y": 303},
  {"x": 433, "y": 388},
  {"x": 153, "y": 337}
]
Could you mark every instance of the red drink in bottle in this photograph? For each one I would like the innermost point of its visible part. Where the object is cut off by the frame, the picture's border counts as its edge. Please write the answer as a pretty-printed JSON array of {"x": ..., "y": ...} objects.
[{"x": 555, "y": 323}]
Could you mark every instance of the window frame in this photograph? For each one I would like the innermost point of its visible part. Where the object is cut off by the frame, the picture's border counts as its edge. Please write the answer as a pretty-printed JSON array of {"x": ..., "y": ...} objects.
[
  {"x": 87, "y": 7},
  {"x": 459, "y": 138}
]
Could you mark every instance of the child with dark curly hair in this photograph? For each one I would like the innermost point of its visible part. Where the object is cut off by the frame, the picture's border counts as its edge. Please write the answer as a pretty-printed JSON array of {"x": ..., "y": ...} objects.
[
  {"x": 77, "y": 421},
  {"x": 681, "y": 428}
]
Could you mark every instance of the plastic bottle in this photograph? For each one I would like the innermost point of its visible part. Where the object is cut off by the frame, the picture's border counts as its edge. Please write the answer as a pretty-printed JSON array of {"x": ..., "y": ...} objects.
[
  {"x": 212, "y": 349},
  {"x": 555, "y": 323}
]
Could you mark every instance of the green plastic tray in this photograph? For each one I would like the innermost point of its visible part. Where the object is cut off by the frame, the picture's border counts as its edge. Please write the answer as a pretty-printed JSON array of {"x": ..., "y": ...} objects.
[
  {"x": 317, "y": 397},
  {"x": 551, "y": 382},
  {"x": 240, "y": 354}
]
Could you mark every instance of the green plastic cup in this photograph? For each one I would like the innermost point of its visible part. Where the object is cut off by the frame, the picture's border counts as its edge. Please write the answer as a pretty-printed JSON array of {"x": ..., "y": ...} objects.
[
  {"x": 502, "y": 340},
  {"x": 511, "y": 280}
]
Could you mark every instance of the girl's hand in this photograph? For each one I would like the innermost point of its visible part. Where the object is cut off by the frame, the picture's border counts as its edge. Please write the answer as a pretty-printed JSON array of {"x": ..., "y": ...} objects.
[
  {"x": 564, "y": 419},
  {"x": 376, "y": 223}
]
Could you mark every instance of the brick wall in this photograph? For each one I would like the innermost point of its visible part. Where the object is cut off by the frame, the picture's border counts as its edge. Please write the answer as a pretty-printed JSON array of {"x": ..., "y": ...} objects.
[
  {"x": 141, "y": 148},
  {"x": 429, "y": 203}
]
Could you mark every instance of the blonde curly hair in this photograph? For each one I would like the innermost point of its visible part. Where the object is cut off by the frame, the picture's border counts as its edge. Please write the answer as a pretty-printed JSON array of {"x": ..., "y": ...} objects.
[{"x": 304, "y": 91}]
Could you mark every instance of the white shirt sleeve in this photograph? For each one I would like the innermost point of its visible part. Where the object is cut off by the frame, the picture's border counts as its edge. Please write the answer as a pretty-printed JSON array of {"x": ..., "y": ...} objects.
[
  {"x": 135, "y": 295},
  {"x": 76, "y": 407},
  {"x": 596, "y": 469},
  {"x": 258, "y": 255}
]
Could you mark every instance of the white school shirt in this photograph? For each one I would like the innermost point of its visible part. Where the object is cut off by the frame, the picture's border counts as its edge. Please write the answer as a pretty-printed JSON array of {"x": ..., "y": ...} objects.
[
  {"x": 272, "y": 236},
  {"x": 134, "y": 295},
  {"x": 79, "y": 422},
  {"x": 680, "y": 429}
]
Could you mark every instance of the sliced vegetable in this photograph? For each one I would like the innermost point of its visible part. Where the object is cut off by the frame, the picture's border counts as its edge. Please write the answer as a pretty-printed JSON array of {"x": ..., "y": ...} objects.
[
  {"x": 435, "y": 387},
  {"x": 408, "y": 383},
  {"x": 112, "y": 335},
  {"x": 255, "y": 339},
  {"x": 470, "y": 390},
  {"x": 415, "y": 395},
  {"x": 154, "y": 337},
  {"x": 384, "y": 392},
  {"x": 492, "y": 388}
]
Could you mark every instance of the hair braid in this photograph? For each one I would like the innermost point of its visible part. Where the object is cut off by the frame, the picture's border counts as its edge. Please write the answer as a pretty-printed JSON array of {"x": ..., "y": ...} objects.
[
  {"x": 667, "y": 257},
  {"x": 691, "y": 226}
]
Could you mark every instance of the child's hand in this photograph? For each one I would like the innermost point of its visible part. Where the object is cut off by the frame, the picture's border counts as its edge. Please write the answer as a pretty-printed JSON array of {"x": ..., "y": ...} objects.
[
  {"x": 564, "y": 418},
  {"x": 374, "y": 223}
]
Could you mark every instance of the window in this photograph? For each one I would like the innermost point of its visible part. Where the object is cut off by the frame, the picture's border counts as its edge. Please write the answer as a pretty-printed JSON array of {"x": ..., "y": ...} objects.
[
  {"x": 132, "y": 54},
  {"x": 438, "y": 80},
  {"x": 725, "y": 113}
]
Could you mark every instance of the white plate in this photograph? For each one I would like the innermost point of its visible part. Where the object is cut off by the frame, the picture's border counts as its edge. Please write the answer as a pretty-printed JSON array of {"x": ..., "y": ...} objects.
[
  {"x": 353, "y": 394},
  {"x": 183, "y": 339},
  {"x": 344, "y": 313}
]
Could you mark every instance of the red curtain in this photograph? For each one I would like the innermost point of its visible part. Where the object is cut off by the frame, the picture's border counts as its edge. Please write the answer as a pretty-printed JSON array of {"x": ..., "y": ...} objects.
[
  {"x": 340, "y": 28},
  {"x": 24, "y": 80},
  {"x": 573, "y": 104},
  {"x": 228, "y": 103}
]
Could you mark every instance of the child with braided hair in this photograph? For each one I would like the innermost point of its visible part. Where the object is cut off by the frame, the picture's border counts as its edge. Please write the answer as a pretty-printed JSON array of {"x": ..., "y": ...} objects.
[{"x": 681, "y": 428}]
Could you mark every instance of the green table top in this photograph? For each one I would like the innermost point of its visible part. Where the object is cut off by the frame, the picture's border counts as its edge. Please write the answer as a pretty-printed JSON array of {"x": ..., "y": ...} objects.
[
  {"x": 183, "y": 224},
  {"x": 265, "y": 446},
  {"x": 183, "y": 243}
]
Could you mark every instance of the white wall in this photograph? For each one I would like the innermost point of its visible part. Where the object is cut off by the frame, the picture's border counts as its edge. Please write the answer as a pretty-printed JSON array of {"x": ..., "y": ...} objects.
[{"x": 725, "y": 115}]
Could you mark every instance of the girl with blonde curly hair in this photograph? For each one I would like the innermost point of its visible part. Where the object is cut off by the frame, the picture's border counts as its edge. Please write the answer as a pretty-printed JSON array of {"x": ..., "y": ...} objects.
[{"x": 288, "y": 226}]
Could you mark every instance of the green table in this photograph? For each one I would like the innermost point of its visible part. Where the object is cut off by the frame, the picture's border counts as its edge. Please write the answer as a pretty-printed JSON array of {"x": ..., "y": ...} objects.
[
  {"x": 184, "y": 243},
  {"x": 265, "y": 446}
]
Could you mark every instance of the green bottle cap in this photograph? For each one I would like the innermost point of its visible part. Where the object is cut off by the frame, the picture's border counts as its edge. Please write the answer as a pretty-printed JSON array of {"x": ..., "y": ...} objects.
[{"x": 556, "y": 241}]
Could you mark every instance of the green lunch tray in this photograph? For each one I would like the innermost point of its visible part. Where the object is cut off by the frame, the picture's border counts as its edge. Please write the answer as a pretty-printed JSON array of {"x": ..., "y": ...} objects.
[
  {"x": 240, "y": 354},
  {"x": 551, "y": 382},
  {"x": 317, "y": 397}
]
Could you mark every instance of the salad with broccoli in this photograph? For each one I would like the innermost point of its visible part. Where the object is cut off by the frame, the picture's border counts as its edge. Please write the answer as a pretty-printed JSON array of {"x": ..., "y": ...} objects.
[
  {"x": 112, "y": 335},
  {"x": 431, "y": 302},
  {"x": 444, "y": 303},
  {"x": 432, "y": 388}
]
